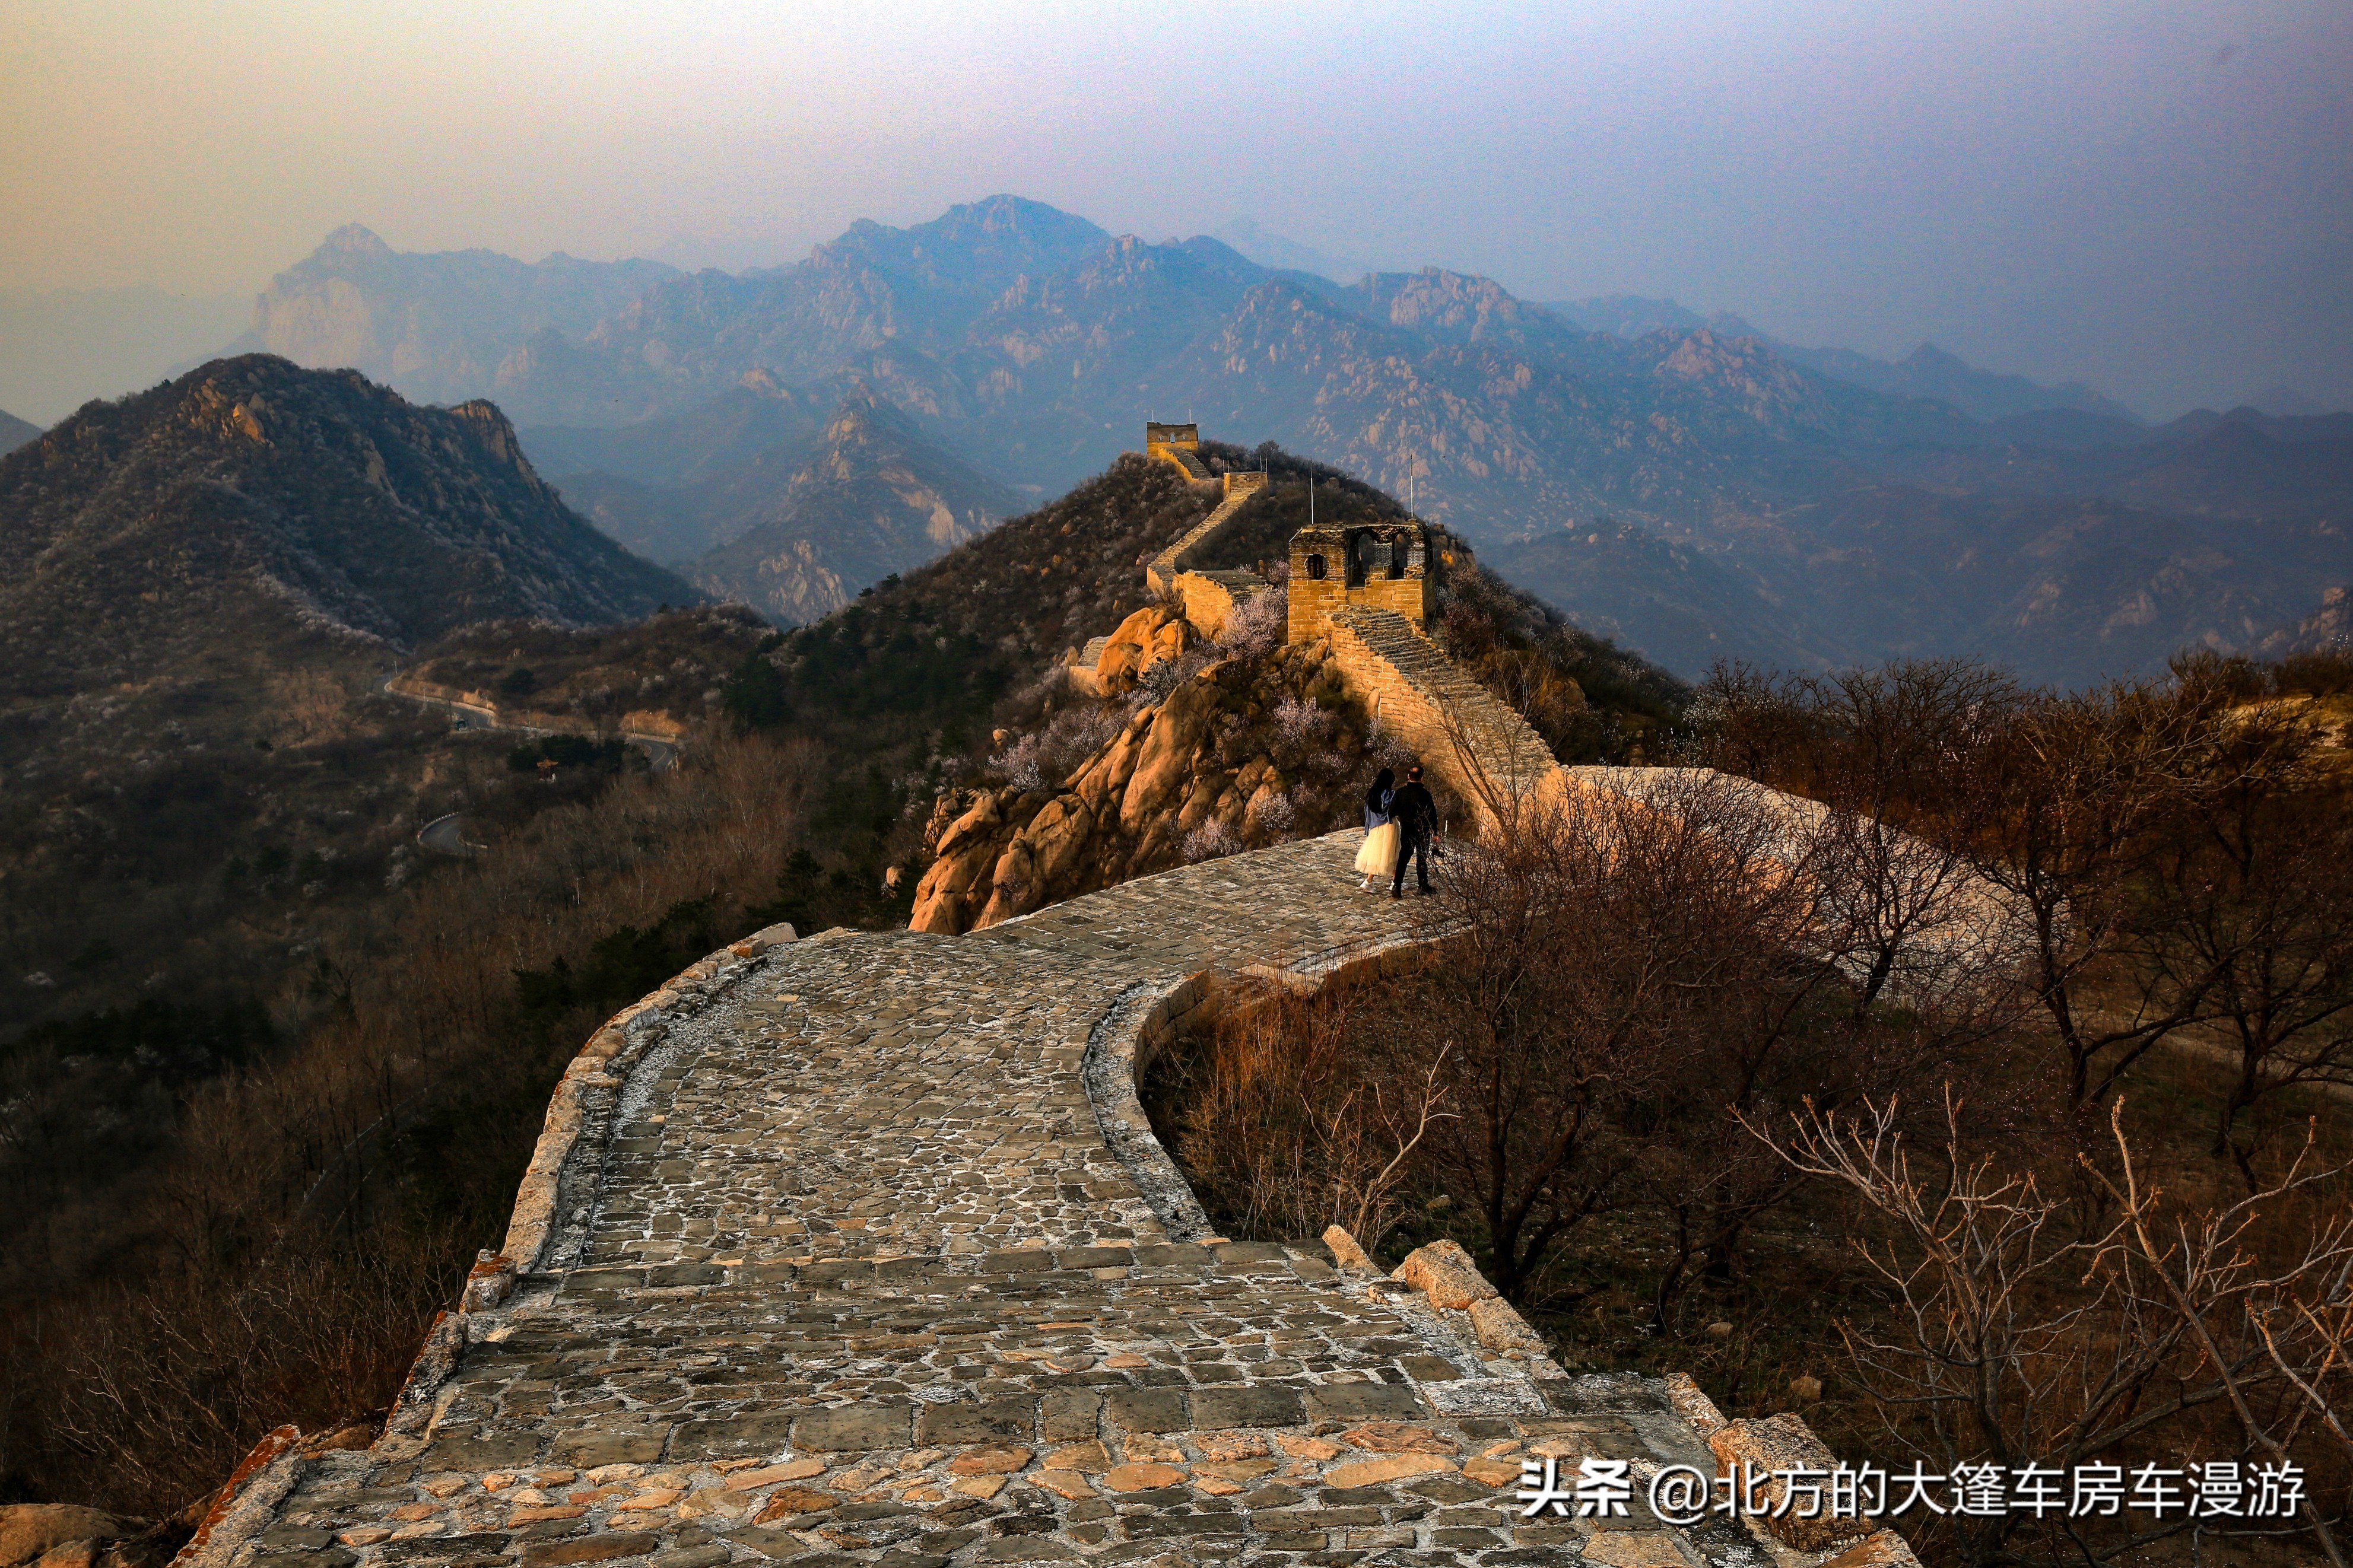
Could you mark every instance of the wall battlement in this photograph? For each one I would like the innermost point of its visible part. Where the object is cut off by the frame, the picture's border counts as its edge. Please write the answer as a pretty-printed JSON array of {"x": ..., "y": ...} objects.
[
  {"x": 1372, "y": 589},
  {"x": 1165, "y": 574},
  {"x": 1177, "y": 445}
]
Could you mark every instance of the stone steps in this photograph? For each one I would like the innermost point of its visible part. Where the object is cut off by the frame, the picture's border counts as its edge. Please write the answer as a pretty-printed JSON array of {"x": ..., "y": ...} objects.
[
  {"x": 1452, "y": 705},
  {"x": 1193, "y": 467},
  {"x": 1165, "y": 566}
]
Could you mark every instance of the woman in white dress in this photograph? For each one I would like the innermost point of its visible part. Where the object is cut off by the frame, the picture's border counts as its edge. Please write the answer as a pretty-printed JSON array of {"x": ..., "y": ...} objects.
[{"x": 1377, "y": 859}]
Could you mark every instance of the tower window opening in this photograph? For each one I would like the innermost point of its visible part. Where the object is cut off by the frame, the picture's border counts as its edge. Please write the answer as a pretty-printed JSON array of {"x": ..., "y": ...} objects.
[{"x": 1316, "y": 568}]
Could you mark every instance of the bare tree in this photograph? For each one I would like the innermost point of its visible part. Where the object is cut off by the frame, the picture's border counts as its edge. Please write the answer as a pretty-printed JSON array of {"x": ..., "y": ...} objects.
[
  {"x": 1624, "y": 957},
  {"x": 2253, "y": 901},
  {"x": 2026, "y": 1334}
]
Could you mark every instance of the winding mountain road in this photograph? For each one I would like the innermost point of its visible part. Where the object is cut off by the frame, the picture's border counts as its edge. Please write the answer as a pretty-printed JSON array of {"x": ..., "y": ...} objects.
[{"x": 662, "y": 751}]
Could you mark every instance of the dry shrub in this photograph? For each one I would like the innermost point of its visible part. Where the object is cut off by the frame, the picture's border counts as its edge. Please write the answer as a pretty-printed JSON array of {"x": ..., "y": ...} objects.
[
  {"x": 1259, "y": 626},
  {"x": 2106, "y": 1322},
  {"x": 165, "y": 1386},
  {"x": 1042, "y": 759},
  {"x": 1277, "y": 1119},
  {"x": 1606, "y": 987},
  {"x": 317, "y": 1206}
]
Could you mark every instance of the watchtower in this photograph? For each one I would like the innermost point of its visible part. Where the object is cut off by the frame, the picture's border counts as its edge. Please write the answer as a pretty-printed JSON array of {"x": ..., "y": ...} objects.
[
  {"x": 1176, "y": 444},
  {"x": 1394, "y": 564}
]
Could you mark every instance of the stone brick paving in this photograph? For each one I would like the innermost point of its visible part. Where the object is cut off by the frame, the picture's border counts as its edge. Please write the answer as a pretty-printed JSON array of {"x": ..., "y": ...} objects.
[{"x": 856, "y": 1278}]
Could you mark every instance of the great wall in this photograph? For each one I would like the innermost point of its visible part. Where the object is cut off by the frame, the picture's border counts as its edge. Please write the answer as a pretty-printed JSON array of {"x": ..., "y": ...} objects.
[
  {"x": 858, "y": 1248},
  {"x": 1370, "y": 589}
]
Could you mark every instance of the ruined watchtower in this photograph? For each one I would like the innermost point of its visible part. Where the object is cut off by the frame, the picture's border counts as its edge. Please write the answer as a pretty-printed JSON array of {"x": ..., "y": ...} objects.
[
  {"x": 1177, "y": 444},
  {"x": 1394, "y": 564}
]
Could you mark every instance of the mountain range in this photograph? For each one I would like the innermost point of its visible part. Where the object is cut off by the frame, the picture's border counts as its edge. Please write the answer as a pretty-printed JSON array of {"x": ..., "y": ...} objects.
[
  {"x": 181, "y": 550},
  {"x": 761, "y": 498},
  {"x": 1687, "y": 485},
  {"x": 874, "y": 499},
  {"x": 16, "y": 432},
  {"x": 1926, "y": 372},
  {"x": 438, "y": 327}
]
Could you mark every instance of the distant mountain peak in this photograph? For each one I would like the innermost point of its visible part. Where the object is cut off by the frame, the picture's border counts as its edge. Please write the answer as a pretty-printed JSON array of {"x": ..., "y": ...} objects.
[
  {"x": 16, "y": 432},
  {"x": 2284, "y": 402},
  {"x": 1007, "y": 211},
  {"x": 1249, "y": 239},
  {"x": 1928, "y": 356},
  {"x": 253, "y": 504},
  {"x": 355, "y": 240}
]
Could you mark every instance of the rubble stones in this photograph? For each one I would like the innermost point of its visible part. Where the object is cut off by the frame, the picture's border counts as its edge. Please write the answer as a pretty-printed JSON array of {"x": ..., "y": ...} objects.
[
  {"x": 1880, "y": 1549},
  {"x": 30, "y": 1531},
  {"x": 1782, "y": 1443},
  {"x": 1501, "y": 1328},
  {"x": 1345, "y": 1252},
  {"x": 1445, "y": 1273}
]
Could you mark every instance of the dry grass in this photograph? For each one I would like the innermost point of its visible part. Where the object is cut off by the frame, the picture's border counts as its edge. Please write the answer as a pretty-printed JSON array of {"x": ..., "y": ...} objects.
[{"x": 316, "y": 1206}]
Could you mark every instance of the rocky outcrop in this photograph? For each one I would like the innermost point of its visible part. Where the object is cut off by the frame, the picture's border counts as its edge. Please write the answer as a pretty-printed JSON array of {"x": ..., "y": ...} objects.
[
  {"x": 59, "y": 1535},
  {"x": 1207, "y": 770},
  {"x": 1147, "y": 638}
]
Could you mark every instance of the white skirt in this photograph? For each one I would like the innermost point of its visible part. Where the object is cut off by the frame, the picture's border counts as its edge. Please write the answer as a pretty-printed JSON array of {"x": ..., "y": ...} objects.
[{"x": 1378, "y": 855}]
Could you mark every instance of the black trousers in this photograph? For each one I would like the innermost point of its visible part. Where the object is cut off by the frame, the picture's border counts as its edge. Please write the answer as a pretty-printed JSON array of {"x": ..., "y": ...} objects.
[{"x": 1412, "y": 844}]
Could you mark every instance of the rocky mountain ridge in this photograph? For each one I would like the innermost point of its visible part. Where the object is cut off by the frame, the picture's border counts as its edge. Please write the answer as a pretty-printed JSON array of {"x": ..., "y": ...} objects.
[
  {"x": 1210, "y": 768},
  {"x": 1926, "y": 372},
  {"x": 874, "y": 500},
  {"x": 253, "y": 516},
  {"x": 1030, "y": 342},
  {"x": 440, "y": 326}
]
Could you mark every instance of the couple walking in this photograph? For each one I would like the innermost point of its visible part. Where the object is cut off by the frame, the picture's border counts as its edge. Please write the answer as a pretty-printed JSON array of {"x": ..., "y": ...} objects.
[{"x": 1397, "y": 824}]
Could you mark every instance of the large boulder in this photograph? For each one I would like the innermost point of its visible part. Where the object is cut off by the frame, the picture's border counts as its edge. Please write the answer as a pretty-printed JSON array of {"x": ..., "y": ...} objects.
[
  {"x": 1170, "y": 756},
  {"x": 1784, "y": 1444},
  {"x": 1446, "y": 1273},
  {"x": 1172, "y": 769},
  {"x": 1152, "y": 634}
]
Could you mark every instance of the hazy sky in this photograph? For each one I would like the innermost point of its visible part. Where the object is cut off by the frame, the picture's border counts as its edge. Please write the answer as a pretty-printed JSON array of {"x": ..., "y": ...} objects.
[{"x": 2156, "y": 198}]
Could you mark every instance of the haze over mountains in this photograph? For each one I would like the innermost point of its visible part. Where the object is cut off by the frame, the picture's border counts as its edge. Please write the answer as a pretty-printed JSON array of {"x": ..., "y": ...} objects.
[
  {"x": 1685, "y": 485},
  {"x": 1926, "y": 372},
  {"x": 439, "y": 328},
  {"x": 61, "y": 347}
]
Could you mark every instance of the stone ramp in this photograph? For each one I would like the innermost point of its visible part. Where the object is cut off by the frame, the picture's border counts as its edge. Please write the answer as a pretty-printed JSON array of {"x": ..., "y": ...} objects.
[
  {"x": 861, "y": 1281},
  {"x": 1161, "y": 576},
  {"x": 1456, "y": 726}
]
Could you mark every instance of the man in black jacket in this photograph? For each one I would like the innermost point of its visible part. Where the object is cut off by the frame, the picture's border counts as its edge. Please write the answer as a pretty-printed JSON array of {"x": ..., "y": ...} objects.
[{"x": 1416, "y": 816}]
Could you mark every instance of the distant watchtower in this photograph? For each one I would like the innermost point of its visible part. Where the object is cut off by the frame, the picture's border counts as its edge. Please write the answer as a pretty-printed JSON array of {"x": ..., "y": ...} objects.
[
  {"x": 1394, "y": 564},
  {"x": 1176, "y": 444}
]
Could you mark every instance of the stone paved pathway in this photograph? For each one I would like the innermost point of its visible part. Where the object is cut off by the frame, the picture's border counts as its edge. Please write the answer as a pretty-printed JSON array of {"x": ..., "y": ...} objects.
[{"x": 862, "y": 1282}]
